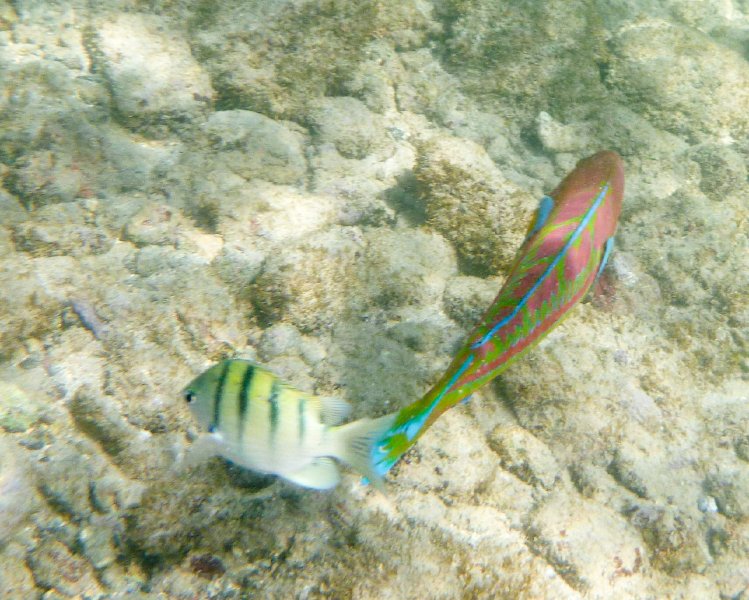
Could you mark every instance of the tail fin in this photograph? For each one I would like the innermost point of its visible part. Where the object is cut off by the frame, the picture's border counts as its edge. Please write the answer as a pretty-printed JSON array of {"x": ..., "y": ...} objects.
[{"x": 354, "y": 443}]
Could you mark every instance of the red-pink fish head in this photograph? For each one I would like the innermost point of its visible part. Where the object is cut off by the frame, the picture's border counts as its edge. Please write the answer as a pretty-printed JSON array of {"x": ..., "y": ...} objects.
[{"x": 604, "y": 171}]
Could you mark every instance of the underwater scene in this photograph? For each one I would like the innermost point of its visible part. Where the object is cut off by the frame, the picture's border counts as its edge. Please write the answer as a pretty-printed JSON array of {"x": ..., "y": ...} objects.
[{"x": 359, "y": 299}]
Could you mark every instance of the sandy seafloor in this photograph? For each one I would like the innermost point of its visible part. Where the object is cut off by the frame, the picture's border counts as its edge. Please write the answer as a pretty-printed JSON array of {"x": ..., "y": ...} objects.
[{"x": 336, "y": 188}]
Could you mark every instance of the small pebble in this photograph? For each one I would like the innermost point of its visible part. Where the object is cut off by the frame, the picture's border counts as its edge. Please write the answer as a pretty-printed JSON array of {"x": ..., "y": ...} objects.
[{"x": 707, "y": 504}]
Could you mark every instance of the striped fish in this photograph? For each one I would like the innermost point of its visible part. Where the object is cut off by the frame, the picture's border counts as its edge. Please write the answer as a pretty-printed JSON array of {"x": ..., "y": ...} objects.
[
  {"x": 565, "y": 250},
  {"x": 261, "y": 423}
]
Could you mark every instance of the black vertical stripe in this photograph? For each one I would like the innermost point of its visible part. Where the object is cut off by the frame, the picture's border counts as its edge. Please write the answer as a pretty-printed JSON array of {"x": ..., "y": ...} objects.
[
  {"x": 219, "y": 396},
  {"x": 302, "y": 408},
  {"x": 273, "y": 401},
  {"x": 244, "y": 397}
]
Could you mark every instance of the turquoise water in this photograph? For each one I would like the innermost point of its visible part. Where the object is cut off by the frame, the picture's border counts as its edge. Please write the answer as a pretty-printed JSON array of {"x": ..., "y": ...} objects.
[{"x": 336, "y": 190}]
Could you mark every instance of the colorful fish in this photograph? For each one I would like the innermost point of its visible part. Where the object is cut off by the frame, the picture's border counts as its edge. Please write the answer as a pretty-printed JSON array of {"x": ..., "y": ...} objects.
[
  {"x": 564, "y": 252},
  {"x": 261, "y": 423}
]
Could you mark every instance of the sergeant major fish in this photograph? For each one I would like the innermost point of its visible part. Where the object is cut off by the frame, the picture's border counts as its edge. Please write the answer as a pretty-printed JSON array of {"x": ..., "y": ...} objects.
[
  {"x": 263, "y": 424},
  {"x": 564, "y": 252}
]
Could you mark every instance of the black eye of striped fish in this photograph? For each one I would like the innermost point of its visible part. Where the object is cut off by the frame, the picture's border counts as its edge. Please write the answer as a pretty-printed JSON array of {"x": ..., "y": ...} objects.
[{"x": 190, "y": 396}]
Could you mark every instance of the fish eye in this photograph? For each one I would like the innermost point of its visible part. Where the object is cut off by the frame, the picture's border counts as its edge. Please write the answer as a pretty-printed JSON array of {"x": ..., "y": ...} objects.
[{"x": 189, "y": 396}]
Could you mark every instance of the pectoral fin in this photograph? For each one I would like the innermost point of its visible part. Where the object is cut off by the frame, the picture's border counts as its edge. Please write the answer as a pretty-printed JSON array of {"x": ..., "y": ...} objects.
[
  {"x": 545, "y": 206},
  {"x": 321, "y": 474},
  {"x": 600, "y": 289},
  {"x": 608, "y": 247},
  {"x": 205, "y": 447}
]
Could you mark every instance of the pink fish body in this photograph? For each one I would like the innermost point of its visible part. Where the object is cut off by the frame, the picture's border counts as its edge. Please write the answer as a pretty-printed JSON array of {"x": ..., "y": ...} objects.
[{"x": 565, "y": 250}]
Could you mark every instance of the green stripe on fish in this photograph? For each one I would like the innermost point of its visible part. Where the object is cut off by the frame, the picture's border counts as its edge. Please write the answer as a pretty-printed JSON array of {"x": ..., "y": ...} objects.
[
  {"x": 302, "y": 406},
  {"x": 218, "y": 396},
  {"x": 273, "y": 414},
  {"x": 244, "y": 395}
]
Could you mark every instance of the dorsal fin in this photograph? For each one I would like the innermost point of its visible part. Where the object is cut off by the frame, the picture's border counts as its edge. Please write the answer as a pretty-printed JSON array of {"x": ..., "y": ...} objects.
[{"x": 333, "y": 410}]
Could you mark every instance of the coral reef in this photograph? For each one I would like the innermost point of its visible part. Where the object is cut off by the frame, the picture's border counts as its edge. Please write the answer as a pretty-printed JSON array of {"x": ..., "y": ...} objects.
[{"x": 337, "y": 188}]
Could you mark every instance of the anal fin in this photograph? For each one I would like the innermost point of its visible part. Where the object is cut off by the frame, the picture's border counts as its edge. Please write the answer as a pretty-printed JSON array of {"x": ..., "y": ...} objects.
[{"x": 206, "y": 446}]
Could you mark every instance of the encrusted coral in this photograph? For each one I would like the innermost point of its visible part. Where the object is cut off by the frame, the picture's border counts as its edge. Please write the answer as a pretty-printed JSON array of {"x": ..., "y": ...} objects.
[{"x": 336, "y": 189}]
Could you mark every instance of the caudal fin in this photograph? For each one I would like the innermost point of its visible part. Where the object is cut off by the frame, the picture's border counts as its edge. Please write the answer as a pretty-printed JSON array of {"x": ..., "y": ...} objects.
[{"x": 354, "y": 443}]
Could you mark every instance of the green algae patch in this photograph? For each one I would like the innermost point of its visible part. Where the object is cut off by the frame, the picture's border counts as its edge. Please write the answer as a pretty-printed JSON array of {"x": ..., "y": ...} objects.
[{"x": 17, "y": 412}]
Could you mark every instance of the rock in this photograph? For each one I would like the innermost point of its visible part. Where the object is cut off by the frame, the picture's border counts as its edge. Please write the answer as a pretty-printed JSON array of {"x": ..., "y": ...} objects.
[
  {"x": 428, "y": 88},
  {"x": 256, "y": 147},
  {"x": 11, "y": 213},
  {"x": 742, "y": 448},
  {"x": 309, "y": 284},
  {"x": 730, "y": 488},
  {"x": 673, "y": 94},
  {"x": 625, "y": 471},
  {"x": 366, "y": 191},
  {"x": 17, "y": 499},
  {"x": 470, "y": 203},
  {"x": 349, "y": 125},
  {"x": 423, "y": 330},
  {"x": 65, "y": 479},
  {"x": 312, "y": 351},
  {"x": 155, "y": 224},
  {"x": 204, "y": 246},
  {"x": 45, "y": 177},
  {"x": 632, "y": 133},
  {"x": 589, "y": 546},
  {"x": 52, "y": 239},
  {"x": 525, "y": 456},
  {"x": 16, "y": 580},
  {"x": 675, "y": 540},
  {"x": 272, "y": 215},
  {"x": 113, "y": 492},
  {"x": 30, "y": 307},
  {"x": 638, "y": 403},
  {"x": 238, "y": 267},
  {"x": 96, "y": 539},
  {"x": 294, "y": 370},
  {"x": 64, "y": 143},
  {"x": 99, "y": 418},
  {"x": 407, "y": 267},
  {"x": 365, "y": 211},
  {"x": 723, "y": 171},
  {"x": 557, "y": 137},
  {"x": 494, "y": 51},
  {"x": 153, "y": 75},
  {"x": 378, "y": 374},
  {"x": 181, "y": 585},
  {"x": 446, "y": 454},
  {"x": 373, "y": 84},
  {"x": 205, "y": 507},
  {"x": 466, "y": 298},
  {"x": 55, "y": 567},
  {"x": 278, "y": 340},
  {"x": 280, "y": 58}
]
